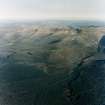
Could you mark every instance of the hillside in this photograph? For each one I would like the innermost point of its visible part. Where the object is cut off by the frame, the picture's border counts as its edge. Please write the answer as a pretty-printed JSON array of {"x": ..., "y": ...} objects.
[{"x": 36, "y": 60}]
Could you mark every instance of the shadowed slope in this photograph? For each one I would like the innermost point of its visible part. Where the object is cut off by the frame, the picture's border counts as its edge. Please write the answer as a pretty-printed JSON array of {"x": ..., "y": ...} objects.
[{"x": 87, "y": 82}]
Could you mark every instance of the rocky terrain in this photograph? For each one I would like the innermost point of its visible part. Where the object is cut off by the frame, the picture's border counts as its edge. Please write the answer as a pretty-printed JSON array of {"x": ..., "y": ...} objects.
[
  {"x": 86, "y": 84},
  {"x": 37, "y": 60}
]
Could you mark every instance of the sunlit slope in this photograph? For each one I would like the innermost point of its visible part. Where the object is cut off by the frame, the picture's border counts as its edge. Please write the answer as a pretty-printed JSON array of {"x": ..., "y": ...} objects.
[{"x": 49, "y": 47}]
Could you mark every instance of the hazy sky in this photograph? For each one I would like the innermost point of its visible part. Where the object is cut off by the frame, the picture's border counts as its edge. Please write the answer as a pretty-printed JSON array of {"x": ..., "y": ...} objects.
[{"x": 52, "y": 9}]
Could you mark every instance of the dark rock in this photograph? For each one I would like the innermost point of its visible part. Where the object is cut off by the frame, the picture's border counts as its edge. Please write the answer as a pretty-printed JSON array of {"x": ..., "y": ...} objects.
[
  {"x": 29, "y": 53},
  {"x": 78, "y": 30},
  {"x": 55, "y": 41},
  {"x": 101, "y": 45}
]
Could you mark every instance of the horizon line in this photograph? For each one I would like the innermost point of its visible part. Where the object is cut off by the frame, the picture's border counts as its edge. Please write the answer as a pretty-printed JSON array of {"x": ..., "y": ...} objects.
[
  {"x": 72, "y": 18},
  {"x": 53, "y": 19}
]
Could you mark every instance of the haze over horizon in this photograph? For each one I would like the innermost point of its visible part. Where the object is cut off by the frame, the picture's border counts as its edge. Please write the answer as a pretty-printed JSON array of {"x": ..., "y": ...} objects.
[{"x": 52, "y": 9}]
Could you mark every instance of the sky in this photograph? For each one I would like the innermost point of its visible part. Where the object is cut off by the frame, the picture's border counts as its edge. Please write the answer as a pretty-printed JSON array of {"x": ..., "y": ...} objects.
[{"x": 52, "y": 9}]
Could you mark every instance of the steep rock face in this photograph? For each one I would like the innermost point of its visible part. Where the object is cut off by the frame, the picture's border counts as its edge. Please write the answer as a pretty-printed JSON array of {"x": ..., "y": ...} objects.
[{"x": 101, "y": 46}]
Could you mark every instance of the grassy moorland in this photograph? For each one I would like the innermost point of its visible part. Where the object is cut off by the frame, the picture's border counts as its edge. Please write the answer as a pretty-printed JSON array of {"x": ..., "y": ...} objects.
[{"x": 36, "y": 60}]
